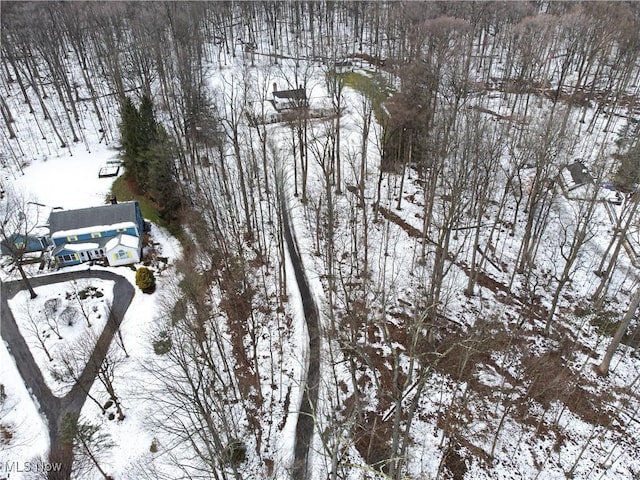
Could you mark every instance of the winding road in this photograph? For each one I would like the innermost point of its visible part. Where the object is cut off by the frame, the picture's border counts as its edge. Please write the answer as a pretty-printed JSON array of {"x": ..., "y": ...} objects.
[
  {"x": 55, "y": 408},
  {"x": 306, "y": 423}
]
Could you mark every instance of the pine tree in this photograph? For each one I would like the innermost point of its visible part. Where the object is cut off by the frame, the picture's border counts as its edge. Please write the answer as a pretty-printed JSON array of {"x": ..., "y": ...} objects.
[
  {"x": 148, "y": 127},
  {"x": 130, "y": 138},
  {"x": 628, "y": 173},
  {"x": 161, "y": 180},
  {"x": 148, "y": 155},
  {"x": 129, "y": 133},
  {"x": 139, "y": 134}
]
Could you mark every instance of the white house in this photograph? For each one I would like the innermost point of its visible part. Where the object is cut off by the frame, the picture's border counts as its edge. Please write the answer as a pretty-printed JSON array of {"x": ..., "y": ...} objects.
[{"x": 123, "y": 250}]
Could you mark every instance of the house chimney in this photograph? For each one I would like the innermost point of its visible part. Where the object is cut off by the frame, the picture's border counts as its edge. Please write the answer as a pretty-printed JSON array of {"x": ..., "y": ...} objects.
[{"x": 275, "y": 87}]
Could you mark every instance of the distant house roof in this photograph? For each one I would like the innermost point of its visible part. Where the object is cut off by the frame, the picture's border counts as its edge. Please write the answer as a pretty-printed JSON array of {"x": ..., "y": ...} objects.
[
  {"x": 579, "y": 173},
  {"x": 343, "y": 63},
  {"x": 67, "y": 220},
  {"x": 297, "y": 94}
]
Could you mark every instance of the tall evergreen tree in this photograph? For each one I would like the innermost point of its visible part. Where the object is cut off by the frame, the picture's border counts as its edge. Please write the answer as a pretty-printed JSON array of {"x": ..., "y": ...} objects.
[
  {"x": 161, "y": 183},
  {"x": 147, "y": 122},
  {"x": 628, "y": 173},
  {"x": 130, "y": 137},
  {"x": 139, "y": 133},
  {"x": 148, "y": 155}
]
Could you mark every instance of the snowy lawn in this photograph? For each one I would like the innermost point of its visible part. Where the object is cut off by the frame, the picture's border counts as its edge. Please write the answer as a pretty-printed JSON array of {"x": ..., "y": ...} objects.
[
  {"x": 61, "y": 326},
  {"x": 71, "y": 181}
]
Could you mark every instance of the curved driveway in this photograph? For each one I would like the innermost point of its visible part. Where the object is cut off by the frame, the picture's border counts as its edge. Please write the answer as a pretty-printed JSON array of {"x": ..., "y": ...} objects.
[
  {"x": 306, "y": 424},
  {"x": 55, "y": 408}
]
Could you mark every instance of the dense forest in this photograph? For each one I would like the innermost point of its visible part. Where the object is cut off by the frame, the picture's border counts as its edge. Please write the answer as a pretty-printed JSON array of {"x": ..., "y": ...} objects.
[{"x": 471, "y": 309}]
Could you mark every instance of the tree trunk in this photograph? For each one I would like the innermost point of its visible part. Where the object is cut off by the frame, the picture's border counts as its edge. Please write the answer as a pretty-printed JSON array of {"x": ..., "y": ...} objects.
[
  {"x": 603, "y": 368},
  {"x": 26, "y": 281},
  {"x": 600, "y": 292}
]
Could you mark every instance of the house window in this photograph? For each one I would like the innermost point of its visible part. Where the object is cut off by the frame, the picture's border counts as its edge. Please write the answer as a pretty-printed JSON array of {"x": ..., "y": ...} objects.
[
  {"x": 20, "y": 245},
  {"x": 120, "y": 230},
  {"x": 96, "y": 235},
  {"x": 68, "y": 258},
  {"x": 72, "y": 238},
  {"x": 122, "y": 255}
]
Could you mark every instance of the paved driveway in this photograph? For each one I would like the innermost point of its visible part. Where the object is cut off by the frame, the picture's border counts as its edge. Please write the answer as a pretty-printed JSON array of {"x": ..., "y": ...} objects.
[{"x": 54, "y": 408}]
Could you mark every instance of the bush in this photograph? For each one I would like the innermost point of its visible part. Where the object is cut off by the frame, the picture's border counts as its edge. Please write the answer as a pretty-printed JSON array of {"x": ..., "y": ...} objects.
[
  {"x": 90, "y": 292},
  {"x": 235, "y": 452},
  {"x": 6, "y": 435},
  {"x": 154, "y": 446},
  {"x": 162, "y": 344},
  {"x": 145, "y": 280}
]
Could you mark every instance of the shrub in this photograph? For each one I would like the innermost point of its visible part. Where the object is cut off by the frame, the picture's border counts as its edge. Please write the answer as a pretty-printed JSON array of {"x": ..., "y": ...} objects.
[
  {"x": 52, "y": 305},
  {"x": 69, "y": 315},
  {"x": 90, "y": 292},
  {"x": 145, "y": 280},
  {"x": 606, "y": 322},
  {"x": 6, "y": 435},
  {"x": 154, "y": 446},
  {"x": 162, "y": 344},
  {"x": 235, "y": 452}
]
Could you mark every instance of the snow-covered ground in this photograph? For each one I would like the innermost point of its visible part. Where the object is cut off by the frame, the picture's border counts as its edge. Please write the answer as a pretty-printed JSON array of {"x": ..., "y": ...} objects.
[
  {"x": 19, "y": 413},
  {"x": 520, "y": 450},
  {"x": 62, "y": 318},
  {"x": 71, "y": 181}
]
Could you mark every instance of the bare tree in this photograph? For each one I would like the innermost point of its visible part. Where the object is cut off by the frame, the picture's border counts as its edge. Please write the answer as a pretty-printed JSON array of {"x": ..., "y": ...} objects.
[
  {"x": 71, "y": 362},
  {"x": 107, "y": 369},
  {"x": 603, "y": 368},
  {"x": 575, "y": 233},
  {"x": 119, "y": 340},
  {"x": 196, "y": 366},
  {"x": 484, "y": 163},
  {"x": 80, "y": 292},
  {"x": 37, "y": 331},
  {"x": 335, "y": 86},
  {"x": 19, "y": 221},
  {"x": 50, "y": 311},
  {"x": 88, "y": 442},
  {"x": 235, "y": 102},
  {"x": 625, "y": 220}
]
